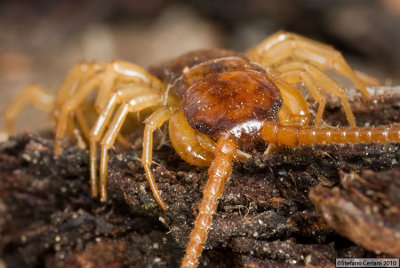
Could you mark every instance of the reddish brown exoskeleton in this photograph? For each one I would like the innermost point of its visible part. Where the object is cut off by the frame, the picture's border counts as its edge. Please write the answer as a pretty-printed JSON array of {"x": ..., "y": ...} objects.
[{"x": 218, "y": 103}]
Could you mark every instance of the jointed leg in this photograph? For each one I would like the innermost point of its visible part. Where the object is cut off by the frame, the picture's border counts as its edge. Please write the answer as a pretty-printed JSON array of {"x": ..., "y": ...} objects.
[
  {"x": 106, "y": 144},
  {"x": 127, "y": 72},
  {"x": 336, "y": 89},
  {"x": 285, "y": 45},
  {"x": 83, "y": 125},
  {"x": 33, "y": 94},
  {"x": 78, "y": 84},
  {"x": 69, "y": 106},
  {"x": 75, "y": 78},
  {"x": 209, "y": 145},
  {"x": 153, "y": 123},
  {"x": 183, "y": 139},
  {"x": 124, "y": 95},
  {"x": 294, "y": 72},
  {"x": 132, "y": 105},
  {"x": 316, "y": 81},
  {"x": 295, "y": 108},
  {"x": 85, "y": 77}
]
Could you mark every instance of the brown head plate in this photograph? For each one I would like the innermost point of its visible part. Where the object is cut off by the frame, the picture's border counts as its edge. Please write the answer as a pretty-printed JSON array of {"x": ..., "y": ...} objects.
[{"x": 236, "y": 103}]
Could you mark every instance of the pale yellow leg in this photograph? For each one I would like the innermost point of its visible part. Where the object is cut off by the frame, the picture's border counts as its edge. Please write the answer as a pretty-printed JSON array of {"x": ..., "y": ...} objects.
[
  {"x": 125, "y": 94},
  {"x": 69, "y": 106},
  {"x": 276, "y": 39},
  {"x": 33, "y": 94},
  {"x": 74, "y": 89},
  {"x": 294, "y": 72},
  {"x": 105, "y": 88},
  {"x": 285, "y": 45},
  {"x": 317, "y": 81},
  {"x": 318, "y": 95},
  {"x": 106, "y": 144},
  {"x": 108, "y": 140},
  {"x": 336, "y": 89},
  {"x": 83, "y": 125},
  {"x": 75, "y": 82},
  {"x": 75, "y": 78},
  {"x": 209, "y": 145},
  {"x": 71, "y": 82},
  {"x": 39, "y": 97},
  {"x": 294, "y": 102},
  {"x": 153, "y": 122},
  {"x": 183, "y": 139},
  {"x": 127, "y": 72}
]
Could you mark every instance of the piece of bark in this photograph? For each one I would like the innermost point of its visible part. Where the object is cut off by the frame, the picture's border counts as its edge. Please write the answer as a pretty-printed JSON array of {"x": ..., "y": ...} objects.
[
  {"x": 366, "y": 209},
  {"x": 264, "y": 217}
]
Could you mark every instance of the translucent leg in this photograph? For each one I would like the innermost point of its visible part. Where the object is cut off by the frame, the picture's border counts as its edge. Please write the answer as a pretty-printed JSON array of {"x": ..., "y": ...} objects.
[
  {"x": 294, "y": 105},
  {"x": 129, "y": 73},
  {"x": 75, "y": 78},
  {"x": 106, "y": 144},
  {"x": 294, "y": 72},
  {"x": 209, "y": 145},
  {"x": 83, "y": 78},
  {"x": 83, "y": 125},
  {"x": 33, "y": 94},
  {"x": 278, "y": 38},
  {"x": 153, "y": 123},
  {"x": 185, "y": 143},
  {"x": 70, "y": 106},
  {"x": 75, "y": 82},
  {"x": 133, "y": 105},
  {"x": 285, "y": 45},
  {"x": 130, "y": 92},
  {"x": 316, "y": 82}
]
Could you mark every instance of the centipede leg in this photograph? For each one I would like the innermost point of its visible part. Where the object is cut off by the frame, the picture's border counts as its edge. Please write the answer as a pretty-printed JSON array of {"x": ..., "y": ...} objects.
[
  {"x": 153, "y": 123},
  {"x": 34, "y": 94}
]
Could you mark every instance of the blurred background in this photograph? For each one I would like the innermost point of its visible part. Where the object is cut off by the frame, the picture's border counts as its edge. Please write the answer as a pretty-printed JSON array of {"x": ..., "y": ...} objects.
[{"x": 40, "y": 40}]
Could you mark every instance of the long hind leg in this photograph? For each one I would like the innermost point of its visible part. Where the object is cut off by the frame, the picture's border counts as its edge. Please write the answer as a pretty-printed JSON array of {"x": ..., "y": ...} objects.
[{"x": 32, "y": 94}]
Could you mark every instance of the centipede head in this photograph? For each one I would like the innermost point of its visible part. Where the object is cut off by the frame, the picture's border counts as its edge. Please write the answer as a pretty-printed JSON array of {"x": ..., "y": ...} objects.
[{"x": 236, "y": 103}]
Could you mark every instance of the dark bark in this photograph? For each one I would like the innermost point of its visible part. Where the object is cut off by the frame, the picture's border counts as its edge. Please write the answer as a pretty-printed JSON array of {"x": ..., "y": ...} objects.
[{"x": 265, "y": 217}]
